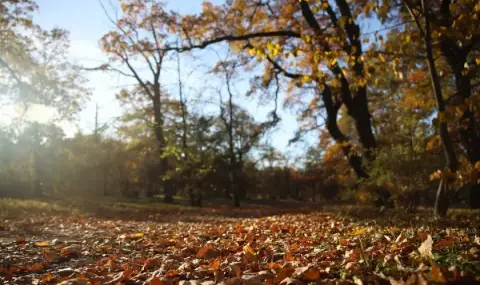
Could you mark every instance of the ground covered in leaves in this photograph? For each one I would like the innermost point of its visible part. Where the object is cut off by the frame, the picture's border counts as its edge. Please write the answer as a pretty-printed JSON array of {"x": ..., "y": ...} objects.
[{"x": 44, "y": 242}]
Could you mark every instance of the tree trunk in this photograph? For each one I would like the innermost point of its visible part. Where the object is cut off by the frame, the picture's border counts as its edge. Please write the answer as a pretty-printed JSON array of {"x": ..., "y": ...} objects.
[
  {"x": 159, "y": 135},
  {"x": 363, "y": 123},
  {"x": 353, "y": 158},
  {"x": 359, "y": 108},
  {"x": 357, "y": 105},
  {"x": 37, "y": 185},
  {"x": 149, "y": 191},
  {"x": 191, "y": 197},
  {"x": 457, "y": 57},
  {"x": 442, "y": 199},
  {"x": 242, "y": 193},
  {"x": 36, "y": 171},
  {"x": 105, "y": 183}
]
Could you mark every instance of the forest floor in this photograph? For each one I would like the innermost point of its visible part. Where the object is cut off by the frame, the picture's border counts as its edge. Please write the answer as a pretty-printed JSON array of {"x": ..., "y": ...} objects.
[{"x": 106, "y": 241}]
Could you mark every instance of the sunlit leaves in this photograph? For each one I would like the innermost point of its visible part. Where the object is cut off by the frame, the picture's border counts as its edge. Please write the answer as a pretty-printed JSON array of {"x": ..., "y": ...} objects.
[{"x": 425, "y": 248}]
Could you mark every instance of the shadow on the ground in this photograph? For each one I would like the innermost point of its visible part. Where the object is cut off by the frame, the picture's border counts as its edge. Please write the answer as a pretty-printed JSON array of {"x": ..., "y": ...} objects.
[{"x": 156, "y": 210}]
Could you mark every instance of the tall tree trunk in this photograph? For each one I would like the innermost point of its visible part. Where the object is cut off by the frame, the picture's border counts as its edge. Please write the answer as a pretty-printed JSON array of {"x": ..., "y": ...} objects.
[
  {"x": 105, "y": 183},
  {"x": 442, "y": 199},
  {"x": 186, "y": 173},
  {"x": 36, "y": 171},
  {"x": 242, "y": 193},
  {"x": 457, "y": 57},
  {"x": 229, "y": 125},
  {"x": 357, "y": 106},
  {"x": 160, "y": 136}
]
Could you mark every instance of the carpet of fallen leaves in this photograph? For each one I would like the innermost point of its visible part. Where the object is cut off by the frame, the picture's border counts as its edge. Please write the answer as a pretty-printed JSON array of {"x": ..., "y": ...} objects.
[{"x": 206, "y": 247}]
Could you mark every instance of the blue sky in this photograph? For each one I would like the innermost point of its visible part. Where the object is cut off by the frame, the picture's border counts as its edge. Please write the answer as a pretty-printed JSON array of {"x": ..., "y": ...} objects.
[{"x": 87, "y": 23}]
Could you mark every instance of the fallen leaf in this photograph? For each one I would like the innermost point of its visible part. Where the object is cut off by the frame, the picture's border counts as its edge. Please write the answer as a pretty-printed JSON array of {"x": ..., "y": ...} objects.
[
  {"x": 215, "y": 265},
  {"x": 307, "y": 273},
  {"x": 207, "y": 252},
  {"x": 20, "y": 240},
  {"x": 357, "y": 232},
  {"x": 42, "y": 243},
  {"x": 156, "y": 281},
  {"x": 446, "y": 242},
  {"x": 425, "y": 248},
  {"x": 436, "y": 274}
]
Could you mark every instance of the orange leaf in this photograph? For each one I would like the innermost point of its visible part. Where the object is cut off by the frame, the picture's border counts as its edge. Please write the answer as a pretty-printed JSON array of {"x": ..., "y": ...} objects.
[
  {"x": 437, "y": 274},
  {"x": 110, "y": 263},
  {"x": 47, "y": 277},
  {"x": 248, "y": 249},
  {"x": 274, "y": 266},
  {"x": 310, "y": 274},
  {"x": 288, "y": 257},
  {"x": 156, "y": 281},
  {"x": 206, "y": 252},
  {"x": 215, "y": 265}
]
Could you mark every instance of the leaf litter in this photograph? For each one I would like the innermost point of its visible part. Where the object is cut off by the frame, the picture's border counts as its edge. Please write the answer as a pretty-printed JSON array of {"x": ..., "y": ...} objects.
[{"x": 197, "y": 248}]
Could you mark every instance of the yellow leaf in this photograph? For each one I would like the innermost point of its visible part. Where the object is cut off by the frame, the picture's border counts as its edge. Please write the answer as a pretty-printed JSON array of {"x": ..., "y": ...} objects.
[
  {"x": 477, "y": 60},
  {"x": 250, "y": 254},
  {"x": 306, "y": 79},
  {"x": 42, "y": 243},
  {"x": 357, "y": 232},
  {"x": 137, "y": 235},
  {"x": 333, "y": 61},
  {"x": 361, "y": 81}
]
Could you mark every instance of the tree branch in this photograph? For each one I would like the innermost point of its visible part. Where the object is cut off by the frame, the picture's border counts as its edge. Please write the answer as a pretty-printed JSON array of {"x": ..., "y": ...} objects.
[{"x": 232, "y": 38}]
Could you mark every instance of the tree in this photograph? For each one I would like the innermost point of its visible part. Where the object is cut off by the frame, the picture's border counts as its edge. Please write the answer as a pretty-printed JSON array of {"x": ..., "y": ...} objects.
[
  {"x": 140, "y": 34},
  {"x": 273, "y": 33}
]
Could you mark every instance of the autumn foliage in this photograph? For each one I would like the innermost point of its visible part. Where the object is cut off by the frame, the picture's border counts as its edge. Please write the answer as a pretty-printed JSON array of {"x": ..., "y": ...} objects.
[{"x": 387, "y": 100}]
